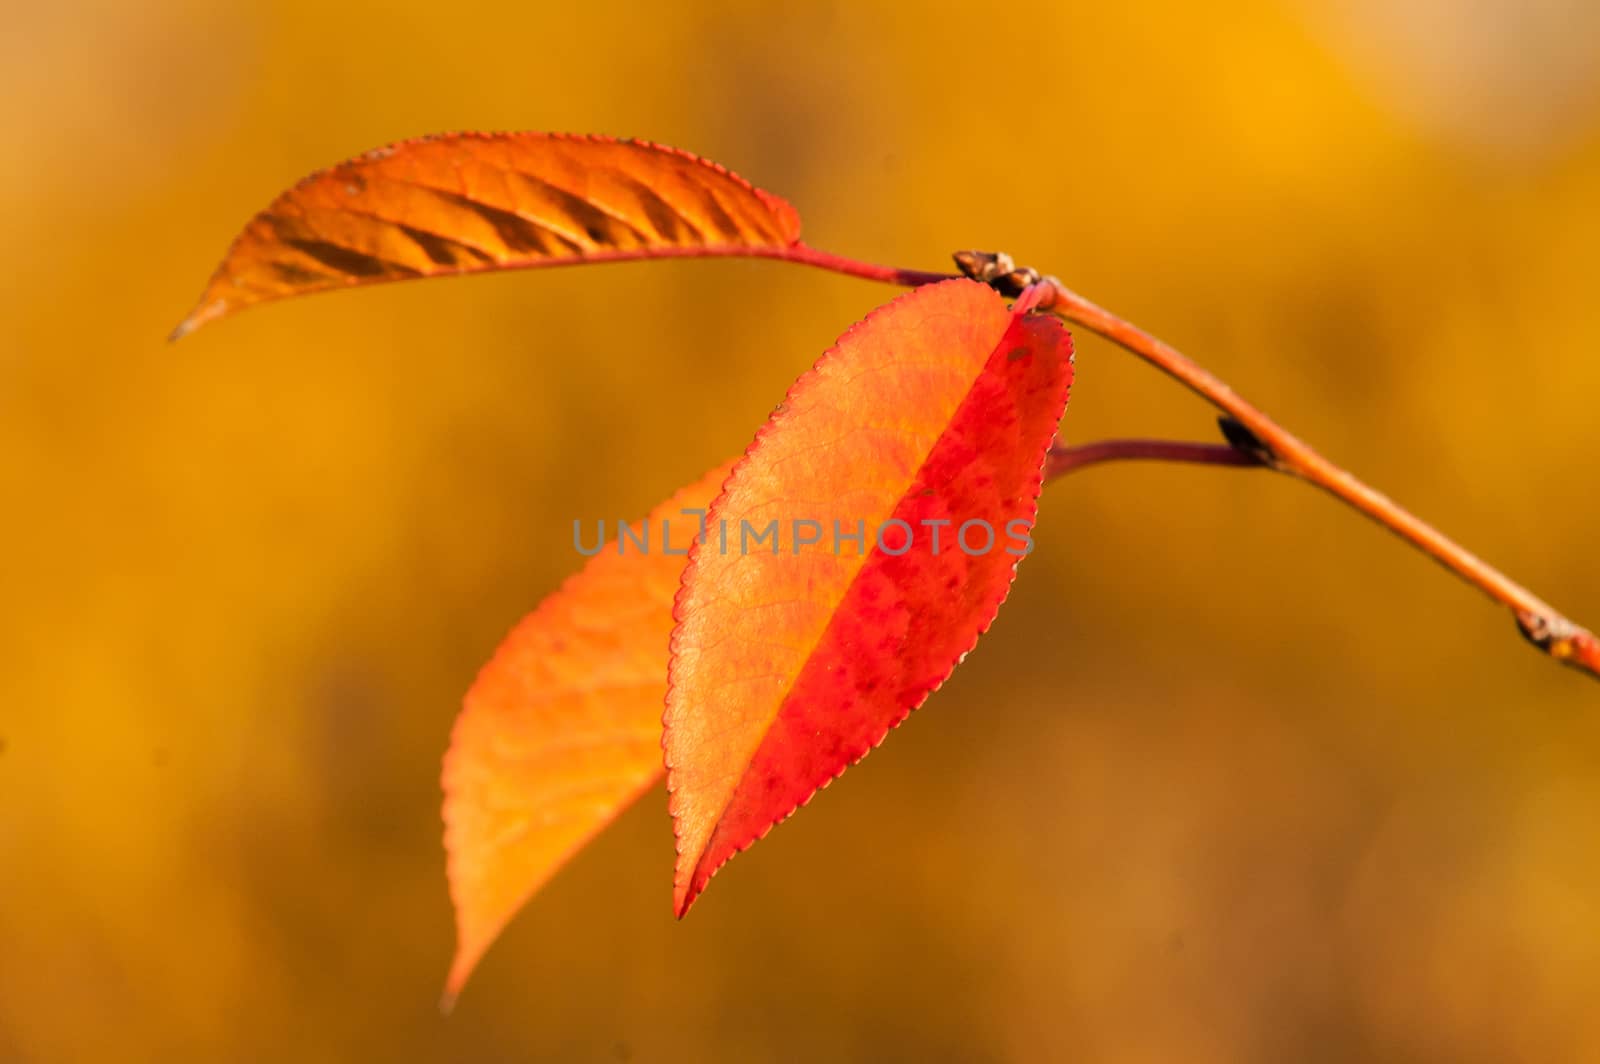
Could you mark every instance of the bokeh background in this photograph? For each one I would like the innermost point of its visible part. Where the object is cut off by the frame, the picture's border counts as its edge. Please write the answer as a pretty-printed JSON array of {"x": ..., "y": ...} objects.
[{"x": 1236, "y": 777}]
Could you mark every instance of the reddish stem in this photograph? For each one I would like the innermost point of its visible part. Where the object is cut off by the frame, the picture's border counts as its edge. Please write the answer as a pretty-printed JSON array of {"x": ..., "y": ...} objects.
[
  {"x": 1541, "y": 624},
  {"x": 1063, "y": 460},
  {"x": 827, "y": 260}
]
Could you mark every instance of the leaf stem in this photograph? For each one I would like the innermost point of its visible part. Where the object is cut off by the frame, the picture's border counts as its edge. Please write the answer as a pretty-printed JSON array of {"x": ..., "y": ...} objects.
[
  {"x": 1062, "y": 460},
  {"x": 807, "y": 255},
  {"x": 1251, "y": 430}
]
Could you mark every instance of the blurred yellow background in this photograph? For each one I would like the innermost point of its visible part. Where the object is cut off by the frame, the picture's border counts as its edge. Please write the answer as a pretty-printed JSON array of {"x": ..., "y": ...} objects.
[{"x": 1236, "y": 777}]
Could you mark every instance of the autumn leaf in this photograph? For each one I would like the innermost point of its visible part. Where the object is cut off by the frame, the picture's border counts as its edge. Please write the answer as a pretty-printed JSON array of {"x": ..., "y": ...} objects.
[
  {"x": 793, "y": 656},
  {"x": 562, "y": 730},
  {"x": 469, "y": 202}
]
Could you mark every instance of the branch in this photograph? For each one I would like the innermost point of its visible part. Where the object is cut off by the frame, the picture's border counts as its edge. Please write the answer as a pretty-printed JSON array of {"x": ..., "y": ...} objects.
[
  {"x": 1254, "y": 439},
  {"x": 1250, "y": 430}
]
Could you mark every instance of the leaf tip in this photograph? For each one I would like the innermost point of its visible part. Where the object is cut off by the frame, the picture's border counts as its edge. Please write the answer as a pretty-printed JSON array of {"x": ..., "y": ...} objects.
[
  {"x": 685, "y": 893},
  {"x": 461, "y": 966},
  {"x": 683, "y": 886},
  {"x": 206, "y": 311},
  {"x": 692, "y": 878}
]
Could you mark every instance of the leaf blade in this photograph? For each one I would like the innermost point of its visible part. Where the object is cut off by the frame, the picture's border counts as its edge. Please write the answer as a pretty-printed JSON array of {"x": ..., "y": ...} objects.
[
  {"x": 461, "y": 203},
  {"x": 789, "y": 667},
  {"x": 561, "y": 731}
]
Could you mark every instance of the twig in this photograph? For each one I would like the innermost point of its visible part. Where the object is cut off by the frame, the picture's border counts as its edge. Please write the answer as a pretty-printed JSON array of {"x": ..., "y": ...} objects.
[{"x": 1252, "y": 432}]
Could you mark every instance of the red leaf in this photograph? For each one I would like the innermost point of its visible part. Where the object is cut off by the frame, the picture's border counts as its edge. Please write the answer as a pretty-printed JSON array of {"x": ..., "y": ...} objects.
[
  {"x": 562, "y": 729},
  {"x": 470, "y": 202},
  {"x": 788, "y": 667}
]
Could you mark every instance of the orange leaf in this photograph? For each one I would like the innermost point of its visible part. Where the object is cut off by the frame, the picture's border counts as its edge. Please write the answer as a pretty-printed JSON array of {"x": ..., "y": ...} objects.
[
  {"x": 794, "y": 656},
  {"x": 562, "y": 729},
  {"x": 470, "y": 202}
]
